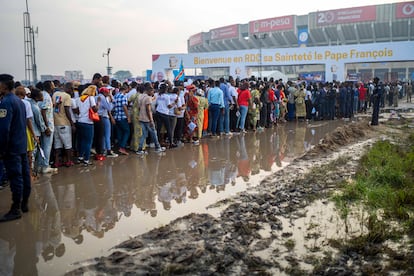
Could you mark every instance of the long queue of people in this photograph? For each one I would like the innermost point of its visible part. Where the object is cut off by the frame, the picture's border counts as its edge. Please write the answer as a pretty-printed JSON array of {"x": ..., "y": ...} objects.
[{"x": 67, "y": 122}]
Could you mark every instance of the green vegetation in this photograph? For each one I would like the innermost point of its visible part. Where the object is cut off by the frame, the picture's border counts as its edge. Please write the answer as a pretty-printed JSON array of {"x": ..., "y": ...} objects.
[{"x": 385, "y": 184}]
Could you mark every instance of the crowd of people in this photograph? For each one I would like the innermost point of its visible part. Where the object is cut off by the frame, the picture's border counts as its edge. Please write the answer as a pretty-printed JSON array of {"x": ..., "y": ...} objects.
[{"x": 63, "y": 124}]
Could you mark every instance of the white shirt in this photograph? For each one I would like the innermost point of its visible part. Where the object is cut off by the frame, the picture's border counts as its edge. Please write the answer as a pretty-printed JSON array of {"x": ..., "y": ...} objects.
[
  {"x": 131, "y": 93},
  {"x": 84, "y": 109},
  {"x": 162, "y": 104},
  {"x": 233, "y": 93},
  {"x": 29, "y": 111}
]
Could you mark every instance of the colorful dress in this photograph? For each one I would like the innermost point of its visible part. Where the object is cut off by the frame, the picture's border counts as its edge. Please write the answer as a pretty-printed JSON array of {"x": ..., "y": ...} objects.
[
  {"x": 137, "y": 130},
  {"x": 191, "y": 115},
  {"x": 300, "y": 103}
]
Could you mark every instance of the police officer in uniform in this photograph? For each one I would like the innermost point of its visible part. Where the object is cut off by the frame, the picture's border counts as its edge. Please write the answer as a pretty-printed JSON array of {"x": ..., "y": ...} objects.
[
  {"x": 376, "y": 96},
  {"x": 13, "y": 147}
]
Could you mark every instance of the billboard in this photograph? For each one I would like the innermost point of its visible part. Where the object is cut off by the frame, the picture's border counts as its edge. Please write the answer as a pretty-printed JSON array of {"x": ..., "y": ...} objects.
[
  {"x": 271, "y": 24},
  {"x": 333, "y": 57},
  {"x": 227, "y": 32},
  {"x": 349, "y": 15},
  {"x": 196, "y": 39},
  {"x": 404, "y": 10}
]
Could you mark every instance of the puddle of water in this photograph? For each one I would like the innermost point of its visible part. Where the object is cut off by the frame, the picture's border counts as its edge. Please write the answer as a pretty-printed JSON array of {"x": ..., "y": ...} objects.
[{"x": 81, "y": 213}]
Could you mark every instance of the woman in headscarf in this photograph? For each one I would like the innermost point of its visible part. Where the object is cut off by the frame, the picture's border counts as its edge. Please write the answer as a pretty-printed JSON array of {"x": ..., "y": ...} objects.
[
  {"x": 191, "y": 114},
  {"x": 85, "y": 124}
]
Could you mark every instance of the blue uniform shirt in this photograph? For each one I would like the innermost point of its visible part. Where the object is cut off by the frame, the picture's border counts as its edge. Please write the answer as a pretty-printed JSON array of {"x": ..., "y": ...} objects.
[{"x": 13, "y": 138}]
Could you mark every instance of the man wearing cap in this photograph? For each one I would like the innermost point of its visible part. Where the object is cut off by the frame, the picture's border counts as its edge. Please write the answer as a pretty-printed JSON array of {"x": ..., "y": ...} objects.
[{"x": 13, "y": 146}]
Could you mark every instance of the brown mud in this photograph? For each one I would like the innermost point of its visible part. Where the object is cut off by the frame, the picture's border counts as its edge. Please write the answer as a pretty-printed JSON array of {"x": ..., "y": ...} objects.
[{"x": 286, "y": 225}]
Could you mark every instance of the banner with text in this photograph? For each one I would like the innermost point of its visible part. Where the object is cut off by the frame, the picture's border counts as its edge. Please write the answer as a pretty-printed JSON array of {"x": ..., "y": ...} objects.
[
  {"x": 331, "y": 56},
  {"x": 350, "y": 15},
  {"x": 271, "y": 24},
  {"x": 196, "y": 39},
  {"x": 227, "y": 32}
]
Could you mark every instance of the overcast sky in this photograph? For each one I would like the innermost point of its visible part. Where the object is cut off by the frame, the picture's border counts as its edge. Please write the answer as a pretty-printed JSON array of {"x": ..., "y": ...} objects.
[{"x": 73, "y": 34}]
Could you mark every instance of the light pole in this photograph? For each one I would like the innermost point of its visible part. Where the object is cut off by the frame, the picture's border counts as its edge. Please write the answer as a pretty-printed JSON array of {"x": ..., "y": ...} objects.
[
  {"x": 108, "y": 68},
  {"x": 260, "y": 37}
]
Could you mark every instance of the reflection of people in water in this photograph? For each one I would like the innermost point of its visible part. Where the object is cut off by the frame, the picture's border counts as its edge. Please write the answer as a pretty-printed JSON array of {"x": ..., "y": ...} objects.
[
  {"x": 50, "y": 220},
  {"x": 18, "y": 254},
  {"x": 243, "y": 163},
  {"x": 147, "y": 170}
]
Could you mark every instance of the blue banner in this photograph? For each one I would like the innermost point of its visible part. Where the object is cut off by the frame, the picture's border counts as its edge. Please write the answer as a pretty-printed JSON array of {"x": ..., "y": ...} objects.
[{"x": 303, "y": 36}]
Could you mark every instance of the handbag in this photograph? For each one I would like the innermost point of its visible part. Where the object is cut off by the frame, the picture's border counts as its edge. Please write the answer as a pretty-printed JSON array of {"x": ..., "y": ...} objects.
[
  {"x": 177, "y": 111},
  {"x": 93, "y": 115}
]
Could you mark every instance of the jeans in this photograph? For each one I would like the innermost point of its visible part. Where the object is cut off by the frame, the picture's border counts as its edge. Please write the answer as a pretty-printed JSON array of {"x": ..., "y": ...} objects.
[
  {"x": 46, "y": 143},
  {"x": 147, "y": 129},
  {"x": 17, "y": 167},
  {"x": 123, "y": 131},
  {"x": 107, "y": 133},
  {"x": 225, "y": 120},
  {"x": 242, "y": 118},
  {"x": 355, "y": 104},
  {"x": 85, "y": 136},
  {"x": 215, "y": 113},
  {"x": 98, "y": 134}
]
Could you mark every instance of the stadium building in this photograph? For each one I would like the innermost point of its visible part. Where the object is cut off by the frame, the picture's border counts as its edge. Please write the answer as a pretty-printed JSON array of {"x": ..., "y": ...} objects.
[{"x": 352, "y": 44}]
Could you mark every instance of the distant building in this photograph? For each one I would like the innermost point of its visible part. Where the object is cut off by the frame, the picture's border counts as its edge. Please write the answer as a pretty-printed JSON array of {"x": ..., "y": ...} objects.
[
  {"x": 52, "y": 78},
  {"x": 75, "y": 75}
]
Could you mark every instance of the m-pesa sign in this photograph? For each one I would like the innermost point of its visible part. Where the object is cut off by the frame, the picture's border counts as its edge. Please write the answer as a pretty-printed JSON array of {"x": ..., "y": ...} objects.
[{"x": 271, "y": 24}]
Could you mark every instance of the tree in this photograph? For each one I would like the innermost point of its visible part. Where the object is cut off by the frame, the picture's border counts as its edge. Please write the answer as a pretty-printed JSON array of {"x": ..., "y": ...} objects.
[{"x": 122, "y": 75}]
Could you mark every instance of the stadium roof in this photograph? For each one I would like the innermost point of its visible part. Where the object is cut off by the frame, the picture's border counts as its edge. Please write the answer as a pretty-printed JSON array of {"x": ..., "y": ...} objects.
[{"x": 356, "y": 25}]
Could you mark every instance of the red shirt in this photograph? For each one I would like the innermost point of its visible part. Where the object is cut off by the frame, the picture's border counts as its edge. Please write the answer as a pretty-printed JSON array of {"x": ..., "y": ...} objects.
[
  {"x": 244, "y": 97},
  {"x": 362, "y": 93},
  {"x": 271, "y": 95}
]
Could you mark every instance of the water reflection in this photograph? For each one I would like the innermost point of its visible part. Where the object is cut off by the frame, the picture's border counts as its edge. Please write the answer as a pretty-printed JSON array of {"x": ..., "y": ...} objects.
[{"x": 78, "y": 203}]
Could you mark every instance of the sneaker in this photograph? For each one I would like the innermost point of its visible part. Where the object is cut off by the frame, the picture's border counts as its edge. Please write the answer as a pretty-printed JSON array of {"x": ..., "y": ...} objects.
[
  {"x": 87, "y": 163},
  {"x": 160, "y": 149},
  {"x": 152, "y": 145},
  {"x": 196, "y": 143},
  {"x": 25, "y": 206},
  {"x": 172, "y": 146},
  {"x": 46, "y": 170},
  {"x": 69, "y": 164},
  {"x": 243, "y": 131},
  {"x": 229, "y": 134},
  {"x": 93, "y": 151},
  {"x": 13, "y": 214},
  {"x": 111, "y": 154},
  {"x": 123, "y": 151},
  {"x": 141, "y": 152},
  {"x": 99, "y": 157},
  {"x": 57, "y": 165},
  {"x": 79, "y": 160}
]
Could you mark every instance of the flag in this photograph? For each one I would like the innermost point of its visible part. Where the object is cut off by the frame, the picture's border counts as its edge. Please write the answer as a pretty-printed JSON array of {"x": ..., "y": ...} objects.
[{"x": 180, "y": 75}]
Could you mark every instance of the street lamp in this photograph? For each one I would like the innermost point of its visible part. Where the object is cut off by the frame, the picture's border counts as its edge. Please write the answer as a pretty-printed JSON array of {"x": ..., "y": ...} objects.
[
  {"x": 260, "y": 37},
  {"x": 108, "y": 68}
]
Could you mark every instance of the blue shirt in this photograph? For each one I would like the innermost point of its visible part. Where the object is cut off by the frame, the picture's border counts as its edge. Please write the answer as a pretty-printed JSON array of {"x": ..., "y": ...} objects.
[
  {"x": 104, "y": 106},
  {"x": 226, "y": 94},
  {"x": 120, "y": 100},
  {"x": 215, "y": 96},
  {"x": 13, "y": 138}
]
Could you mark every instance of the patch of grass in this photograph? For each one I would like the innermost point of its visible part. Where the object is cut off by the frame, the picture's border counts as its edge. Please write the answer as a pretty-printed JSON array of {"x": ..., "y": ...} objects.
[
  {"x": 385, "y": 181},
  {"x": 290, "y": 244}
]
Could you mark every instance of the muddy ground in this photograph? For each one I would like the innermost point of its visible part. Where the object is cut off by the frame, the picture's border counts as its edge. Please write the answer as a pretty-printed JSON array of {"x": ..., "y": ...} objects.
[{"x": 286, "y": 225}]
